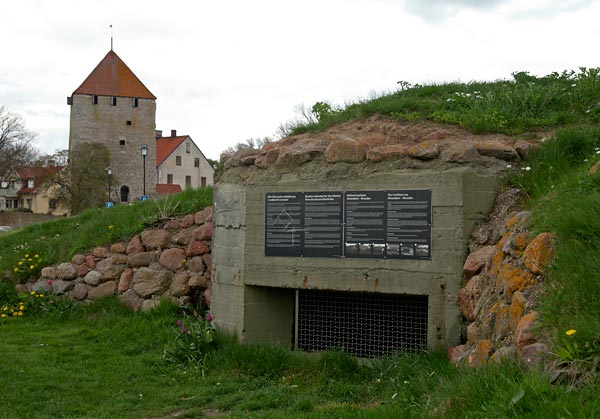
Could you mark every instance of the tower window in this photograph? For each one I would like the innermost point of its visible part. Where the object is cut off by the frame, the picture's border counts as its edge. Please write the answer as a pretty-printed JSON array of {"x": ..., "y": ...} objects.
[
  {"x": 113, "y": 101},
  {"x": 95, "y": 99},
  {"x": 196, "y": 162},
  {"x": 135, "y": 102},
  {"x": 128, "y": 122},
  {"x": 178, "y": 160},
  {"x": 121, "y": 142}
]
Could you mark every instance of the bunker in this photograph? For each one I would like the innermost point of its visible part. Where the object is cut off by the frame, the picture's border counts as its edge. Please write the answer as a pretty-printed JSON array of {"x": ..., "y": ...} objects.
[{"x": 301, "y": 259}]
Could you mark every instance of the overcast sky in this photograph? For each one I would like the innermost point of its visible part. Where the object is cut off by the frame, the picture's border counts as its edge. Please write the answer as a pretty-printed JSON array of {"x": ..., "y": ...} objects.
[{"x": 226, "y": 71}]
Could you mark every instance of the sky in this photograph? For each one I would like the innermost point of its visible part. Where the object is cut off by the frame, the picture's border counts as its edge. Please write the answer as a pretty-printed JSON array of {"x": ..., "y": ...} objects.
[{"x": 230, "y": 70}]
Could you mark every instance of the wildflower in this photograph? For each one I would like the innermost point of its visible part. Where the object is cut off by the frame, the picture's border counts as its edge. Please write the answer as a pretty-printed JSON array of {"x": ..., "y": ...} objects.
[
  {"x": 41, "y": 295},
  {"x": 20, "y": 263},
  {"x": 49, "y": 282},
  {"x": 27, "y": 255},
  {"x": 16, "y": 269},
  {"x": 3, "y": 315},
  {"x": 21, "y": 307},
  {"x": 179, "y": 323},
  {"x": 570, "y": 332},
  {"x": 29, "y": 260},
  {"x": 184, "y": 260},
  {"x": 208, "y": 317},
  {"x": 36, "y": 256},
  {"x": 19, "y": 313},
  {"x": 31, "y": 267},
  {"x": 183, "y": 330},
  {"x": 111, "y": 227},
  {"x": 32, "y": 293}
]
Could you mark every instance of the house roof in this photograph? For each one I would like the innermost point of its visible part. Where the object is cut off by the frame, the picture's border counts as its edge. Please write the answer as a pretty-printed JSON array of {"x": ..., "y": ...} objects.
[
  {"x": 112, "y": 77},
  {"x": 38, "y": 173},
  {"x": 164, "y": 188},
  {"x": 166, "y": 145}
]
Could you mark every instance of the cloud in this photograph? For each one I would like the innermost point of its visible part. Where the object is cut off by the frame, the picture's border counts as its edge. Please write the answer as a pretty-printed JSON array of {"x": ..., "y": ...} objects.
[{"x": 434, "y": 10}]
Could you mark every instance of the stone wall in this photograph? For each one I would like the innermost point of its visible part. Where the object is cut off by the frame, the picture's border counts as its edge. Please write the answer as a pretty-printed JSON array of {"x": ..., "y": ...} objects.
[
  {"x": 173, "y": 261},
  {"x": 504, "y": 276}
]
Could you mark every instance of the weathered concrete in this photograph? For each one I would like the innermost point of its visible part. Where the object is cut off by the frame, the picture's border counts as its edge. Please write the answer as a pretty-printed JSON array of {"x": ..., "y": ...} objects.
[{"x": 252, "y": 295}]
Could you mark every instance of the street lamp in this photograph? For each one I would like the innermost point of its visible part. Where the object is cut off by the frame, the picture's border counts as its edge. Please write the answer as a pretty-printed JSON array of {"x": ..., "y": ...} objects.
[
  {"x": 144, "y": 150},
  {"x": 109, "y": 177}
]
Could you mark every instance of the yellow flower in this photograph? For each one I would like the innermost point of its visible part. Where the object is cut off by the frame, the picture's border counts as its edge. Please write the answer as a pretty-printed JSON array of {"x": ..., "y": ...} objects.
[
  {"x": 570, "y": 332},
  {"x": 41, "y": 295},
  {"x": 14, "y": 313},
  {"x": 20, "y": 262},
  {"x": 21, "y": 308},
  {"x": 29, "y": 260},
  {"x": 16, "y": 269},
  {"x": 32, "y": 293},
  {"x": 36, "y": 256},
  {"x": 27, "y": 255},
  {"x": 31, "y": 267},
  {"x": 110, "y": 227},
  {"x": 20, "y": 313},
  {"x": 3, "y": 315}
]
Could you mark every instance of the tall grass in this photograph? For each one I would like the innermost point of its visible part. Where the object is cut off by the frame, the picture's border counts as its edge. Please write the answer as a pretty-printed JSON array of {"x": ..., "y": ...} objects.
[
  {"x": 57, "y": 241},
  {"x": 523, "y": 104}
]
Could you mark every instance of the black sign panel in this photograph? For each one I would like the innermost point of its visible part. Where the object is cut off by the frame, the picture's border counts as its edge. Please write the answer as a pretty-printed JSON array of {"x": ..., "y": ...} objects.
[
  {"x": 358, "y": 224},
  {"x": 284, "y": 213},
  {"x": 365, "y": 224},
  {"x": 408, "y": 234},
  {"x": 323, "y": 224}
]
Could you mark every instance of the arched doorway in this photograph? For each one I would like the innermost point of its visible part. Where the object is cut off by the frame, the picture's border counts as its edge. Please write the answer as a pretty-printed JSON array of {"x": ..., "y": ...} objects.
[{"x": 124, "y": 193}]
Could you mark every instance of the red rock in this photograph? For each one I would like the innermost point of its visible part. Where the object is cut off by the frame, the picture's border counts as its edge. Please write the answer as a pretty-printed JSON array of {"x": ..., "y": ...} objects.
[
  {"x": 79, "y": 291},
  {"x": 207, "y": 259},
  {"x": 473, "y": 333},
  {"x": 125, "y": 280},
  {"x": 197, "y": 248},
  {"x": 137, "y": 260},
  {"x": 90, "y": 262},
  {"x": 426, "y": 150},
  {"x": 172, "y": 259},
  {"x": 208, "y": 214},
  {"x": 135, "y": 245},
  {"x": 82, "y": 270},
  {"x": 457, "y": 353},
  {"x": 118, "y": 248},
  {"x": 523, "y": 334},
  {"x": 373, "y": 141},
  {"x": 49, "y": 272},
  {"x": 387, "y": 152},
  {"x": 204, "y": 232},
  {"x": 468, "y": 295},
  {"x": 295, "y": 158},
  {"x": 187, "y": 221},
  {"x": 183, "y": 237},
  {"x": 497, "y": 150},
  {"x": 539, "y": 253},
  {"x": 346, "y": 151},
  {"x": 198, "y": 281},
  {"x": 180, "y": 285},
  {"x": 119, "y": 259},
  {"x": 266, "y": 158},
  {"x": 196, "y": 263},
  {"x": 102, "y": 290},
  {"x": 172, "y": 225},
  {"x": 199, "y": 218},
  {"x": 477, "y": 260},
  {"x": 460, "y": 153},
  {"x": 156, "y": 239},
  {"x": 480, "y": 353},
  {"x": 66, "y": 271},
  {"x": 100, "y": 252},
  {"x": 148, "y": 282}
]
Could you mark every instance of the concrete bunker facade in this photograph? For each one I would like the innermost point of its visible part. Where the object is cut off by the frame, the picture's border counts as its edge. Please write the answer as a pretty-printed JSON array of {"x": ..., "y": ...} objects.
[{"x": 264, "y": 298}]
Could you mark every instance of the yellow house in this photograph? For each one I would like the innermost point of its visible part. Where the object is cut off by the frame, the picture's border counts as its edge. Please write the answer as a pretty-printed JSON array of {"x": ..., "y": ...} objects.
[{"x": 40, "y": 190}]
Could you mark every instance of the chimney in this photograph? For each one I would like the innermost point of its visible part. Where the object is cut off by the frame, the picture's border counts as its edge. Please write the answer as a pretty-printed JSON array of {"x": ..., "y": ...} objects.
[
  {"x": 173, "y": 133},
  {"x": 158, "y": 133}
]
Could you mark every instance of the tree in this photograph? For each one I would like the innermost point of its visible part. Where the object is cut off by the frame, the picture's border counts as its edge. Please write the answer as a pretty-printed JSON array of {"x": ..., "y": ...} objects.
[
  {"x": 87, "y": 184},
  {"x": 16, "y": 148}
]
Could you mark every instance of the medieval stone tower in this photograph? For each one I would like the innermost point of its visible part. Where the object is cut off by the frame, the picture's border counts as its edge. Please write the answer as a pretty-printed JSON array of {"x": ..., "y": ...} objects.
[{"x": 113, "y": 107}]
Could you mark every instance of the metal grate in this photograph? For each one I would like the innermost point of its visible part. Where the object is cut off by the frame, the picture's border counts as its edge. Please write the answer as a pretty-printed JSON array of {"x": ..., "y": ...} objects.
[{"x": 362, "y": 324}]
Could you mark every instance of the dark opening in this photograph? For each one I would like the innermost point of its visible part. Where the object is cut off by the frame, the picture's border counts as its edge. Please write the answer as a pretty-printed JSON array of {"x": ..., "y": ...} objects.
[
  {"x": 128, "y": 122},
  {"x": 124, "y": 193},
  {"x": 95, "y": 99},
  {"x": 113, "y": 101},
  {"x": 121, "y": 142},
  {"x": 135, "y": 102},
  {"x": 362, "y": 324}
]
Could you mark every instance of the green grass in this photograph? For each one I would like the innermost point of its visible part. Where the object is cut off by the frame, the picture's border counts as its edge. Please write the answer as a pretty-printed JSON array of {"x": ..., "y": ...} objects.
[
  {"x": 525, "y": 103},
  {"x": 105, "y": 362},
  {"x": 57, "y": 241}
]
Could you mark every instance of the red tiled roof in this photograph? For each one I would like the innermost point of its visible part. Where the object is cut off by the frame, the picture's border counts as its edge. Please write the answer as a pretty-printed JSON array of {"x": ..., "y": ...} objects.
[
  {"x": 37, "y": 173},
  {"x": 165, "y": 146},
  {"x": 165, "y": 188},
  {"x": 112, "y": 77}
]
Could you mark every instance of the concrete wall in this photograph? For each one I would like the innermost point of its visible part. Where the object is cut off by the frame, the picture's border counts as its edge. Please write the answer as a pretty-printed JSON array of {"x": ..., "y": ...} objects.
[
  {"x": 251, "y": 290},
  {"x": 108, "y": 125}
]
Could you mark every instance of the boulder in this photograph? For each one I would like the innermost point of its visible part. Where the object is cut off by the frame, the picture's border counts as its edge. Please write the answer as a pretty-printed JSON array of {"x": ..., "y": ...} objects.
[
  {"x": 425, "y": 150},
  {"x": 346, "y": 151},
  {"x": 137, "y": 260},
  {"x": 196, "y": 264},
  {"x": 82, "y": 270},
  {"x": 42, "y": 286},
  {"x": 497, "y": 150},
  {"x": 460, "y": 153},
  {"x": 180, "y": 285},
  {"x": 60, "y": 286},
  {"x": 156, "y": 239},
  {"x": 125, "y": 280},
  {"x": 78, "y": 259},
  {"x": 456, "y": 354},
  {"x": 172, "y": 259},
  {"x": 204, "y": 232},
  {"x": 183, "y": 237},
  {"x": 49, "y": 272},
  {"x": 469, "y": 295},
  {"x": 90, "y": 262},
  {"x": 186, "y": 221},
  {"x": 148, "y": 282},
  {"x": 387, "y": 152},
  {"x": 480, "y": 353},
  {"x": 208, "y": 214},
  {"x": 523, "y": 334},
  {"x": 135, "y": 245},
  {"x": 102, "y": 290},
  {"x": 534, "y": 354},
  {"x": 197, "y": 248},
  {"x": 100, "y": 252},
  {"x": 93, "y": 278},
  {"x": 266, "y": 158},
  {"x": 539, "y": 253},
  {"x": 118, "y": 248},
  {"x": 79, "y": 291},
  {"x": 199, "y": 218},
  {"x": 131, "y": 300},
  {"x": 66, "y": 271},
  {"x": 477, "y": 260}
]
